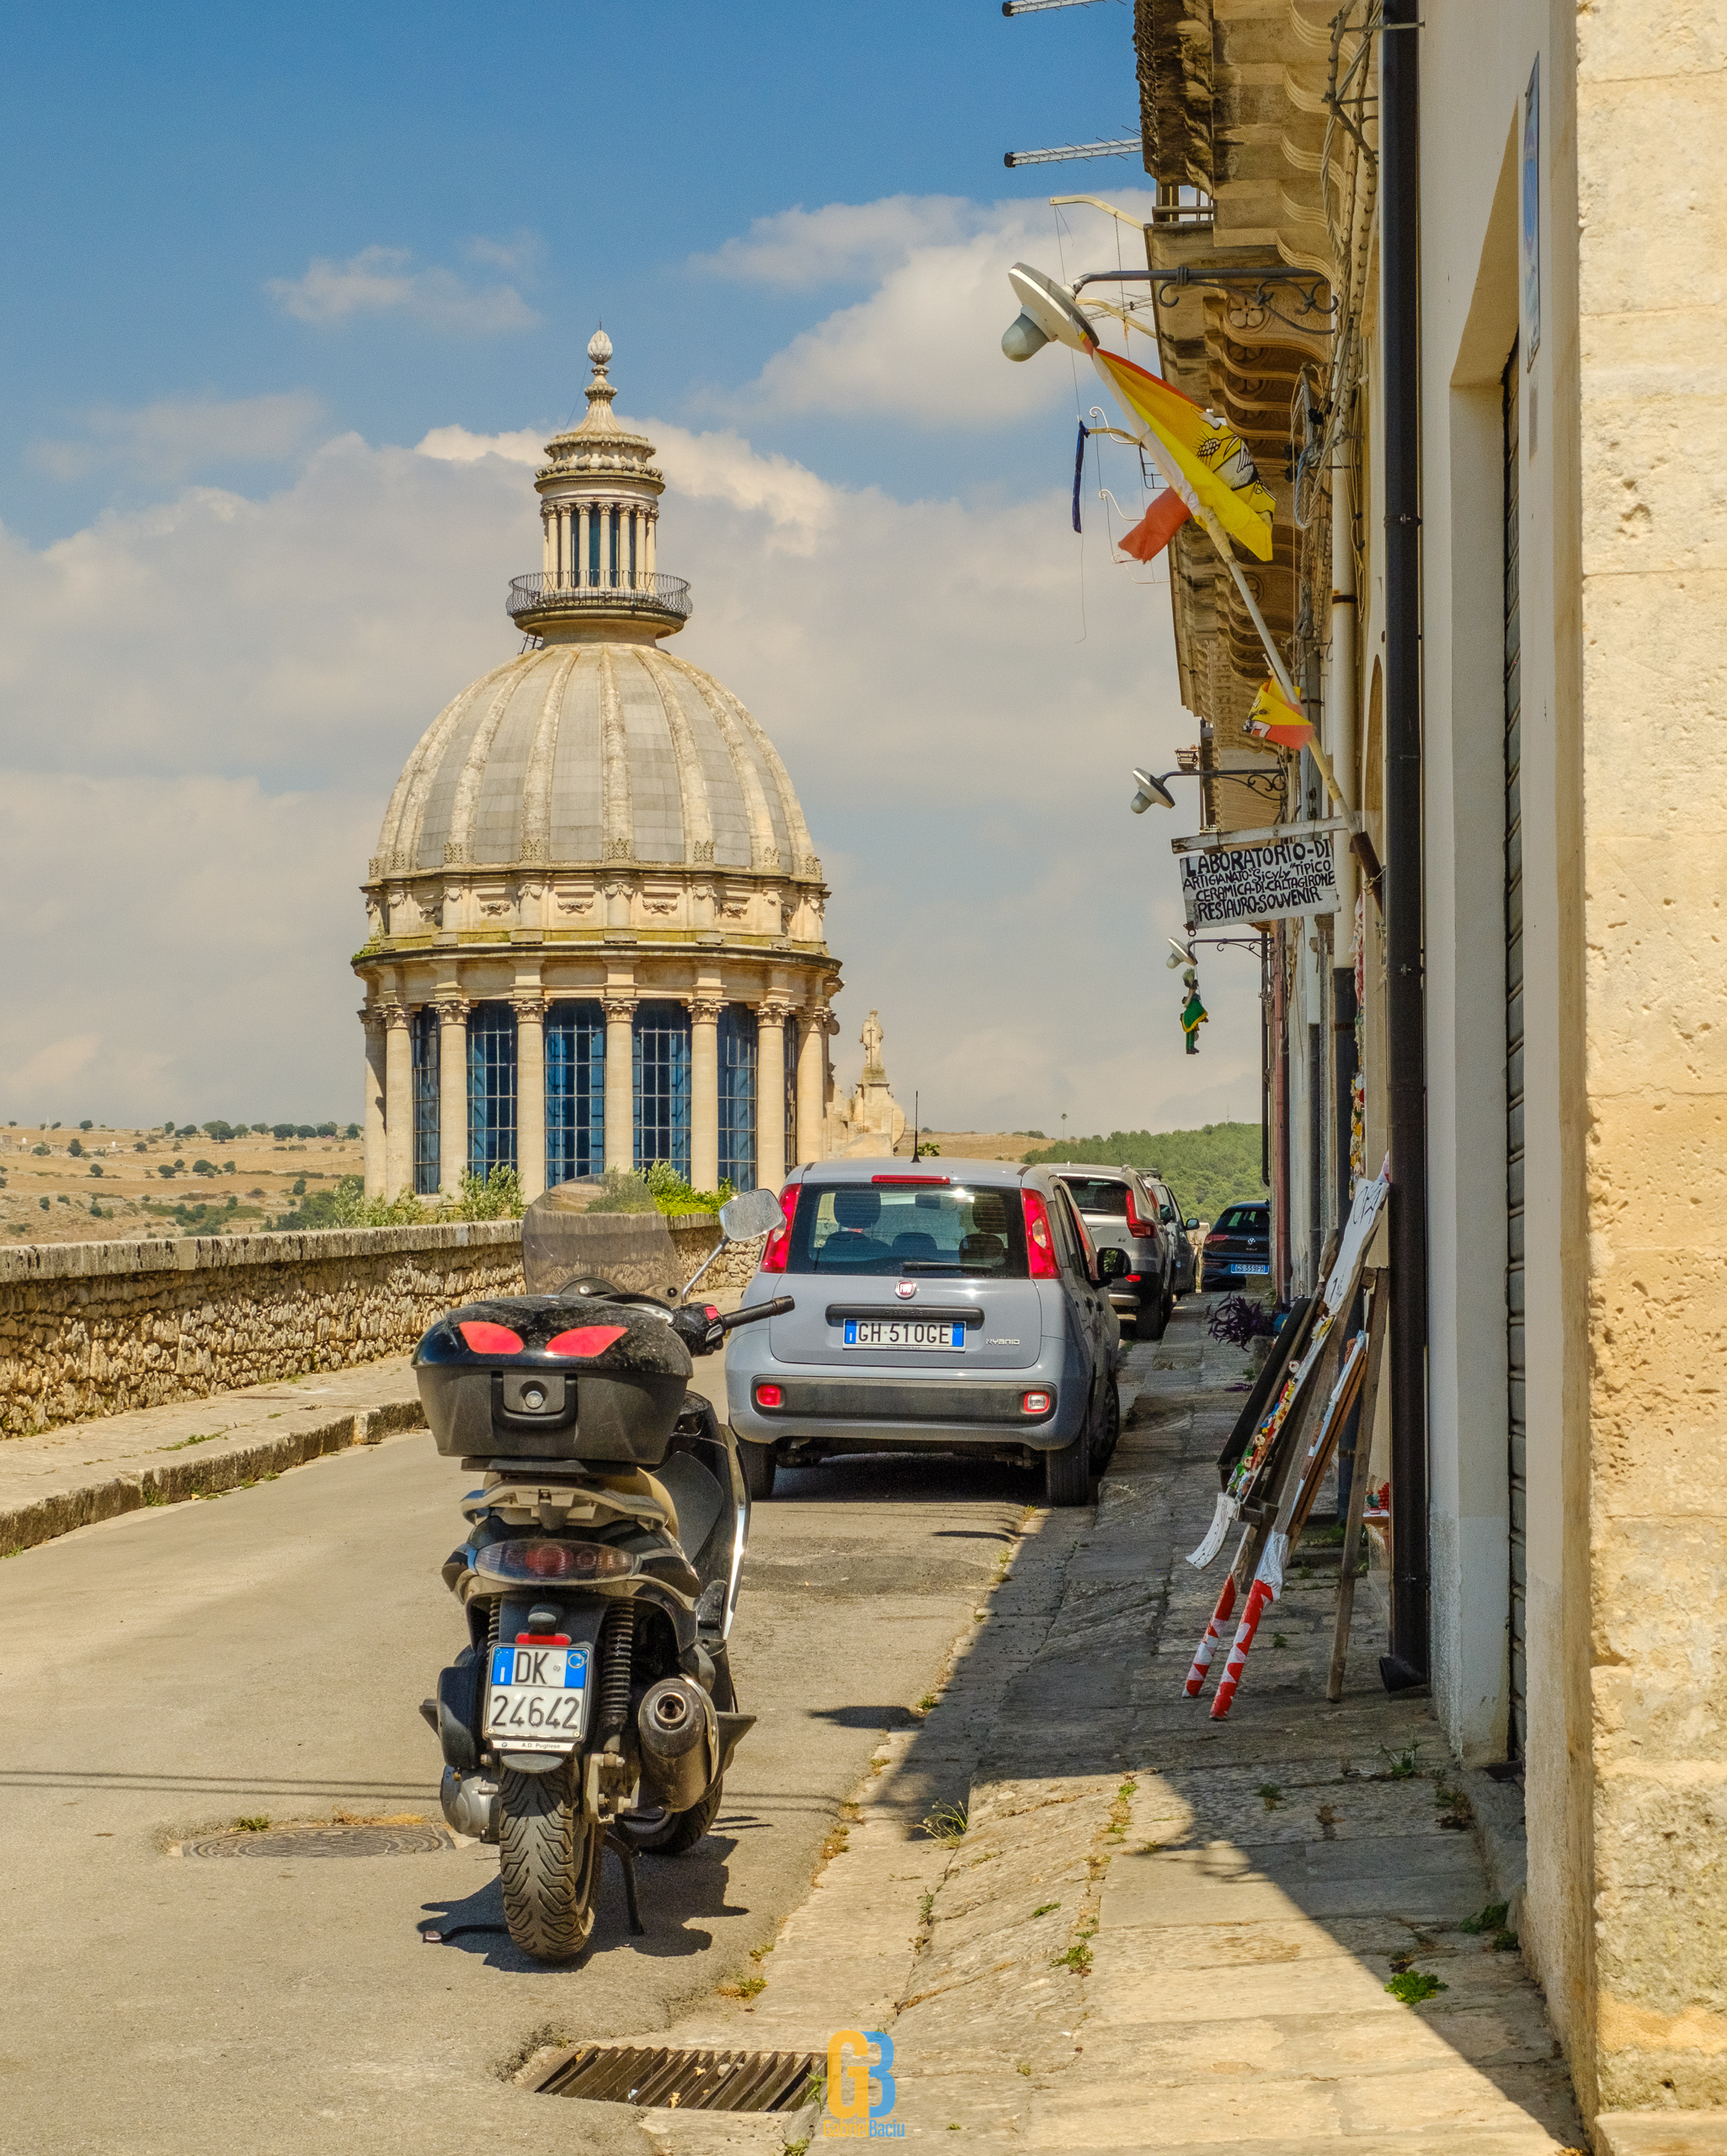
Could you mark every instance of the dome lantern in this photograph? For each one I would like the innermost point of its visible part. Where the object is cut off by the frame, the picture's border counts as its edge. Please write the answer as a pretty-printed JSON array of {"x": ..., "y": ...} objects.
[{"x": 600, "y": 506}]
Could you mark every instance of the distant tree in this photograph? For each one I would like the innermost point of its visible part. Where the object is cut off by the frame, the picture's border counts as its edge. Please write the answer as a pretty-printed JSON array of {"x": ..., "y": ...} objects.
[
  {"x": 260, "y": 1130},
  {"x": 95, "y": 1167},
  {"x": 306, "y": 1130},
  {"x": 167, "y": 1171},
  {"x": 203, "y": 1167},
  {"x": 299, "y": 1187},
  {"x": 352, "y": 1131},
  {"x": 77, "y": 1149},
  {"x": 325, "y": 1130},
  {"x": 230, "y": 1168},
  {"x": 43, "y": 1203},
  {"x": 281, "y": 1130},
  {"x": 187, "y": 1131},
  {"x": 167, "y": 1129},
  {"x": 40, "y": 1149},
  {"x": 86, "y": 1124},
  {"x": 220, "y": 1132}
]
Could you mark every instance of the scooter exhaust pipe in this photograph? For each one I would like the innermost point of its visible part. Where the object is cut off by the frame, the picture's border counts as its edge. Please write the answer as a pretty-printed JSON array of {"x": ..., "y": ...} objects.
[
  {"x": 680, "y": 1740},
  {"x": 469, "y": 1803}
]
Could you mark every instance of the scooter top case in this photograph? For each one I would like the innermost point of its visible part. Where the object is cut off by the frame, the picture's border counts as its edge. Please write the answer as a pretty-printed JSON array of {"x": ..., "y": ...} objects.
[{"x": 547, "y": 1377}]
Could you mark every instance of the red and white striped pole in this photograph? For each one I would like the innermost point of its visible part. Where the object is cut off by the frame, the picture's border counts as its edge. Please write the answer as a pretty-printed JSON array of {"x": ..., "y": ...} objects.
[
  {"x": 1260, "y": 1595},
  {"x": 1213, "y": 1632}
]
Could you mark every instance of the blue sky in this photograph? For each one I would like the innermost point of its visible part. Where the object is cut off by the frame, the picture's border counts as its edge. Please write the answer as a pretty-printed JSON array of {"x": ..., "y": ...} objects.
[{"x": 290, "y": 298}]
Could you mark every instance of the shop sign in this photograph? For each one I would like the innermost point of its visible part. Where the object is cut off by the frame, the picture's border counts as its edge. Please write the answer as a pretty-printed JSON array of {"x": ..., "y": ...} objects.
[{"x": 1279, "y": 880}]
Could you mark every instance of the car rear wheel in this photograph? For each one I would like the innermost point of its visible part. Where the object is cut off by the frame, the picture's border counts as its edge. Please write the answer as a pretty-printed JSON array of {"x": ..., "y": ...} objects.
[
  {"x": 1154, "y": 1318},
  {"x": 759, "y": 1467},
  {"x": 1105, "y": 1426}
]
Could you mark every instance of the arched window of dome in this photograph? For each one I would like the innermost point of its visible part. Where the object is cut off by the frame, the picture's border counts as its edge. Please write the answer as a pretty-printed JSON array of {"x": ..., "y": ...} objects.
[
  {"x": 737, "y": 1074},
  {"x": 660, "y": 1035},
  {"x": 491, "y": 1088},
  {"x": 575, "y": 1091}
]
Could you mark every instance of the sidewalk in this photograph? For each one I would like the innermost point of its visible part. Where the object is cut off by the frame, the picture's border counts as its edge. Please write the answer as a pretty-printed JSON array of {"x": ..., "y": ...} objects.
[
  {"x": 1156, "y": 1931},
  {"x": 82, "y": 1472}
]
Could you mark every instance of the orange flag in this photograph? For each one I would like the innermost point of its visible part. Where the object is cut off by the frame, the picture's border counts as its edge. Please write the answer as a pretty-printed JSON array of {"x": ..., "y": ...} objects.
[
  {"x": 1159, "y": 526},
  {"x": 1274, "y": 718}
]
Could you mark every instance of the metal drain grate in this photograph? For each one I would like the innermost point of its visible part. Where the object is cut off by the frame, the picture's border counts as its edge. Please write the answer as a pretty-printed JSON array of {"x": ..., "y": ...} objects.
[
  {"x": 324, "y": 1841},
  {"x": 688, "y": 2081}
]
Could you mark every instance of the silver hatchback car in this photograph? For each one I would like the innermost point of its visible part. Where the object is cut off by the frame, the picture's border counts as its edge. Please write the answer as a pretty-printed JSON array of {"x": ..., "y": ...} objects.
[{"x": 946, "y": 1306}]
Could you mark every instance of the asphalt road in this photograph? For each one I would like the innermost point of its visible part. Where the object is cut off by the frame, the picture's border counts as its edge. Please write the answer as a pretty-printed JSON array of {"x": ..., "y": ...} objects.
[{"x": 264, "y": 1654}]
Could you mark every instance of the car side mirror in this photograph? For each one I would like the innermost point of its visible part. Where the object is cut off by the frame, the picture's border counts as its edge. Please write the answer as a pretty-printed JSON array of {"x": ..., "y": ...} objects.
[
  {"x": 755, "y": 1213},
  {"x": 1111, "y": 1263},
  {"x": 1189, "y": 1223}
]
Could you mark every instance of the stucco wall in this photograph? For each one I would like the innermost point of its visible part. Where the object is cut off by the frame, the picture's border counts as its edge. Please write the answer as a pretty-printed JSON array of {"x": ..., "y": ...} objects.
[{"x": 94, "y": 1329}]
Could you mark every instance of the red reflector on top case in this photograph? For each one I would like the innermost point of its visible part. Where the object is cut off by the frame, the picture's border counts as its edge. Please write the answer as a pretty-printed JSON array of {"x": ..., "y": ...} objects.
[
  {"x": 490, "y": 1339},
  {"x": 586, "y": 1340}
]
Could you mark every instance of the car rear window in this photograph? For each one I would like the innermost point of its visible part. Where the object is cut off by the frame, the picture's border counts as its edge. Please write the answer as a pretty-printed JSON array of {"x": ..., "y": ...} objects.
[
  {"x": 963, "y": 1232},
  {"x": 1094, "y": 1194},
  {"x": 1244, "y": 1221}
]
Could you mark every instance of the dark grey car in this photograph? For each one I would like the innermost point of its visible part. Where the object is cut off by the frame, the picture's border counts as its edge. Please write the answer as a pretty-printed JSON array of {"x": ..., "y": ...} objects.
[{"x": 951, "y": 1306}]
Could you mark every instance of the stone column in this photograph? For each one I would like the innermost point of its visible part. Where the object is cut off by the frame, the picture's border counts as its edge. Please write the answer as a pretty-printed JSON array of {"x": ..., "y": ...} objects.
[
  {"x": 548, "y": 526},
  {"x": 398, "y": 1101},
  {"x": 771, "y": 1093},
  {"x": 529, "y": 1092},
  {"x": 452, "y": 1092},
  {"x": 377, "y": 1167},
  {"x": 652, "y": 522},
  {"x": 704, "y": 1092},
  {"x": 620, "y": 1081},
  {"x": 812, "y": 1083},
  {"x": 581, "y": 520}
]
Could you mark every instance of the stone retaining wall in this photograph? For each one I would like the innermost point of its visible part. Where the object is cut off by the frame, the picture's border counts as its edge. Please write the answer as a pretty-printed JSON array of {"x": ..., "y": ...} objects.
[{"x": 94, "y": 1329}]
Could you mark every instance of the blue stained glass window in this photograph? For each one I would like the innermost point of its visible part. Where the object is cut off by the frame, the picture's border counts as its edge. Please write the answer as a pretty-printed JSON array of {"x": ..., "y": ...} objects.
[
  {"x": 661, "y": 1043},
  {"x": 424, "y": 1032},
  {"x": 738, "y": 1065},
  {"x": 491, "y": 1088},
  {"x": 575, "y": 1091}
]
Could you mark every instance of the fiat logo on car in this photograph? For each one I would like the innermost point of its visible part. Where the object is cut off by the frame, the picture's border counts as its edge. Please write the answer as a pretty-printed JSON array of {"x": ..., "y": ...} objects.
[{"x": 905, "y": 1289}]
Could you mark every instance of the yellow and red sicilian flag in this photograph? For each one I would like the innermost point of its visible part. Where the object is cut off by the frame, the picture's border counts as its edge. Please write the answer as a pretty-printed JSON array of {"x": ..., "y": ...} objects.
[
  {"x": 1274, "y": 718},
  {"x": 1203, "y": 460}
]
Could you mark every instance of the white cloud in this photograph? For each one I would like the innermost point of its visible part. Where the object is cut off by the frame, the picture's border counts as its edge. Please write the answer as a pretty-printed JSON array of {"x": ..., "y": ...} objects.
[
  {"x": 203, "y": 708},
  {"x": 842, "y": 241},
  {"x": 381, "y": 280},
  {"x": 925, "y": 346},
  {"x": 176, "y": 437}
]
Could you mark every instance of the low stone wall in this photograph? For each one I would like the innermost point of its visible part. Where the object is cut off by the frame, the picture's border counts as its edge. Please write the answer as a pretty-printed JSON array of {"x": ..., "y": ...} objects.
[{"x": 94, "y": 1329}]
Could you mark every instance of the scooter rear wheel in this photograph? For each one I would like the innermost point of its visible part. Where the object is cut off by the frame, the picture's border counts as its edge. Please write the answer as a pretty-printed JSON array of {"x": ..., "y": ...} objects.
[{"x": 549, "y": 1863}]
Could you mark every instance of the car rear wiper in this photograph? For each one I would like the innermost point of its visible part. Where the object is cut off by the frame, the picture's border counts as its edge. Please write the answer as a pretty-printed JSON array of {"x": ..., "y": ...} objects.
[{"x": 930, "y": 1265}]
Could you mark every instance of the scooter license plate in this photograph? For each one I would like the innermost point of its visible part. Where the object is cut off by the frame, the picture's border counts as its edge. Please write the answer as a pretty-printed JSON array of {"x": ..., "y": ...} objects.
[{"x": 536, "y": 1697}]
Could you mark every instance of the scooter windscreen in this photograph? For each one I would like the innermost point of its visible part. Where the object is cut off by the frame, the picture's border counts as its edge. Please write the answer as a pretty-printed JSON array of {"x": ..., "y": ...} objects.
[{"x": 598, "y": 1227}]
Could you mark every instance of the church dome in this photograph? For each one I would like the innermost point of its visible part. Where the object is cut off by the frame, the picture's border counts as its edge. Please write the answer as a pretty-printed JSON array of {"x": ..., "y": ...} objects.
[
  {"x": 595, "y": 913},
  {"x": 590, "y": 754}
]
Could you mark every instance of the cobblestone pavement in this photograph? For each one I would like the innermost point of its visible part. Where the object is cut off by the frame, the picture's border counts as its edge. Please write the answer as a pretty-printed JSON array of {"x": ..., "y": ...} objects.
[{"x": 1155, "y": 1931}]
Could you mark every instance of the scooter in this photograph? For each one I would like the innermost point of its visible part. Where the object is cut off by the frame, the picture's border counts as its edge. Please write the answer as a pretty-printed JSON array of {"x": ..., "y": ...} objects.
[{"x": 593, "y": 1706}]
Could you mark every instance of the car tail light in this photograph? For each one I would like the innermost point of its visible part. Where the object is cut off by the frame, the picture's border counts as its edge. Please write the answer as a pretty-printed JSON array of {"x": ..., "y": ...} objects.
[
  {"x": 535, "y": 1560},
  {"x": 1131, "y": 1276},
  {"x": 1040, "y": 1244},
  {"x": 490, "y": 1339},
  {"x": 779, "y": 1241},
  {"x": 1034, "y": 1403},
  {"x": 771, "y": 1396},
  {"x": 586, "y": 1340},
  {"x": 1138, "y": 1226}
]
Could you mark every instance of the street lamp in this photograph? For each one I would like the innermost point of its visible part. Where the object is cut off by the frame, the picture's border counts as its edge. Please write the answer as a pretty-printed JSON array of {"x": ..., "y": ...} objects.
[{"x": 1149, "y": 785}]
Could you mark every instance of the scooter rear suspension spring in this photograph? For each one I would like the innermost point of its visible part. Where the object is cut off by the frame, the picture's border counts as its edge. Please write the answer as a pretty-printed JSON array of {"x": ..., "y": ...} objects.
[{"x": 617, "y": 1649}]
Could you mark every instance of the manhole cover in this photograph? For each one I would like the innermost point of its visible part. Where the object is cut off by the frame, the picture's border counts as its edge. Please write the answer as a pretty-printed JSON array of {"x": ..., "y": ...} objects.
[
  {"x": 690, "y": 2081},
  {"x": 324, "y": 1841}
]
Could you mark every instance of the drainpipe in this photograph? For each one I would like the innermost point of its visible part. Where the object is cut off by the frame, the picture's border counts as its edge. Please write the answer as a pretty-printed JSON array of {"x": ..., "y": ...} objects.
[{"x": 1400, "y": 255}]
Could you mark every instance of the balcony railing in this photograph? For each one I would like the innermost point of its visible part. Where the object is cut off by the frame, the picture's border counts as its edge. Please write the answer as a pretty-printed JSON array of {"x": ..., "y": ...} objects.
[{"x": 545, "y": 593}]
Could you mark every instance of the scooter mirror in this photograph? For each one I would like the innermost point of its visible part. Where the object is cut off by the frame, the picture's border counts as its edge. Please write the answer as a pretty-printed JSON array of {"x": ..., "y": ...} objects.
[{"x": 752, "y": 1212}]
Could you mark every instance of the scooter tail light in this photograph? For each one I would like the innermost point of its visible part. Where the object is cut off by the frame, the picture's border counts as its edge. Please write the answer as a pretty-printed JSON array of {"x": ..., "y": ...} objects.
[
  {"x": 586, "y": 1340},
  {"x": 531, "y": 1559},
  {"x": 1040, "y": 1243},
  {"x": 779, "y": 1242},
  {"x": 490, "y": 1339}
]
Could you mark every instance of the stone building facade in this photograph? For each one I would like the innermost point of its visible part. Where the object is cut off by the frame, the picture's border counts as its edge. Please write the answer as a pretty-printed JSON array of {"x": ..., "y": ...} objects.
[
  {"x": 1452, "y": 272},
  {"x": 595, "y": 934}
]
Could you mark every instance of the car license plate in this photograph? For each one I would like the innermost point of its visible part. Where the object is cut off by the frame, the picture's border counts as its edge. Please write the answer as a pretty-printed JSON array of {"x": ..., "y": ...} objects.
[
  {"x": 537, "y": 1696},
  {"x": 904, "y": 1332},
  {"x": 1250, "y": 1268}
]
